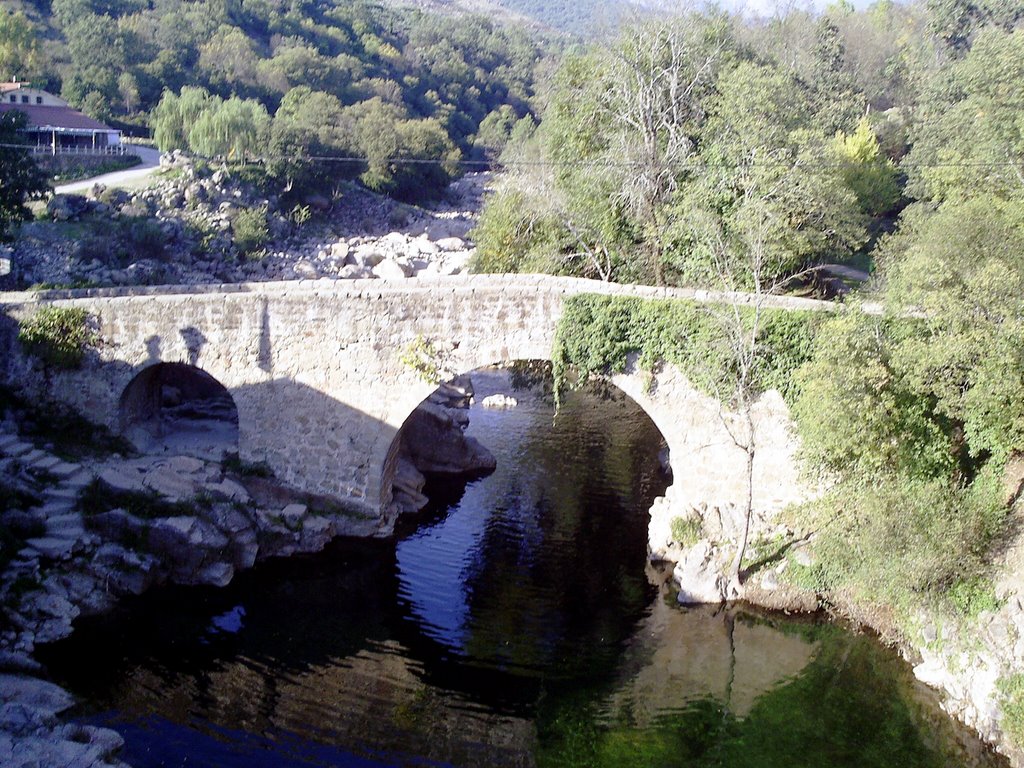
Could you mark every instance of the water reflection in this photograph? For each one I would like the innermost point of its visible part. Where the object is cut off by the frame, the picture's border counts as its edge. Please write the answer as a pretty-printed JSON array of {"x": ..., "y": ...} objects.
[{"x": 514, "y": 624}]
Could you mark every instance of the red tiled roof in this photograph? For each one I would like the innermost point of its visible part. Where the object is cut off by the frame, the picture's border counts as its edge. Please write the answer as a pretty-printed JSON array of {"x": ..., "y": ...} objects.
[
  {"x": 10, "y": 86},
  {"x": 43, "y": 117}
]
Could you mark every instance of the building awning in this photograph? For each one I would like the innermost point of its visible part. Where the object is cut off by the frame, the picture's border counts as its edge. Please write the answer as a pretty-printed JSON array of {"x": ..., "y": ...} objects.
[{"x": 58, "y": 119}]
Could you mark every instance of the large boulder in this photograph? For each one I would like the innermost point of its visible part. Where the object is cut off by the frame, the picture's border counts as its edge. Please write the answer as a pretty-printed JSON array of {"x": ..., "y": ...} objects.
[
  {"x": 701, "y": 576},
  {"x": 392, "y": 269},
  {"x": 66, "y": 207},
  {"x": 434, "y": 442}
]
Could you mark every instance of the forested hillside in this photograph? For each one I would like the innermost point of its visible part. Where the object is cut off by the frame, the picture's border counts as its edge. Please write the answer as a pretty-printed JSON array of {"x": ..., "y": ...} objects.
[
  {"x": 714, "y": 152},
  {"x": 289, "y": 78},
  {"x": 800, "y": 136}
]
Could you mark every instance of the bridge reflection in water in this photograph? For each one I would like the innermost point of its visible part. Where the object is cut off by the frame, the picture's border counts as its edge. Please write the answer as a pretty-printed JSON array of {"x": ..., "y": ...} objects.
[{"x": 512, "y": 624}]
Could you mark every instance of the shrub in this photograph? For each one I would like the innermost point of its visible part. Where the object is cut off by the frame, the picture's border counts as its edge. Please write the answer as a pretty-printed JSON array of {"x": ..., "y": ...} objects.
[
  {"x": 59, "y": 336},
  {"x": 250, "y": 229},
  {"x": 597, "y": 334},
  {"x": 144, "y": 239},
  {"x": 895, "y": 540},
  {"x": 424, "y": 357}
]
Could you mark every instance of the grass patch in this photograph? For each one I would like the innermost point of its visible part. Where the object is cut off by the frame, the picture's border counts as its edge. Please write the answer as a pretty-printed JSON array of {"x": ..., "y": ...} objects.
[
  {"x": 1012, "y": 689},
  {"x": 96, "y": 498},
  {"x": 973, "y": 596},
  {"x": 233, "y": 463},
  {"x": 685, "y": 530}
]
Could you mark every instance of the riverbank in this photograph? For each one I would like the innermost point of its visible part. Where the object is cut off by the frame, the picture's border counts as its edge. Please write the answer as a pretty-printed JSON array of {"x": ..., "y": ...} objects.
[
  {"x": 967, "y": 656},
  {"x": 81, "y": 535}
]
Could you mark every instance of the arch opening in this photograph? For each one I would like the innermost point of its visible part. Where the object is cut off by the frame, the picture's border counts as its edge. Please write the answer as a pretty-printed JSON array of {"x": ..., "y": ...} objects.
[
  {"x": 556, "y": 537},
  {"x": 438, "y": 425},
  {"x": 179, "y": 408}
]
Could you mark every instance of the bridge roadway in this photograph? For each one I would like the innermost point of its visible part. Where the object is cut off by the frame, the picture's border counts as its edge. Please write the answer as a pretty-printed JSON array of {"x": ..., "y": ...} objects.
[{"x": 315, "y": 371}]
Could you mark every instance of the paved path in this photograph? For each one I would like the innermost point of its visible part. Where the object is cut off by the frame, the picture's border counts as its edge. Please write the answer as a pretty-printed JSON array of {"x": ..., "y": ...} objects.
[{"x": 150, "y": 161}]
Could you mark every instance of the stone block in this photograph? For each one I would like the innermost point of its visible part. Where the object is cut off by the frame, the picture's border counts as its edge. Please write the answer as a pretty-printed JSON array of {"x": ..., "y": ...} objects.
[
  {"x": 170, "y": 483},
  {"x": 292, "y": 514}
]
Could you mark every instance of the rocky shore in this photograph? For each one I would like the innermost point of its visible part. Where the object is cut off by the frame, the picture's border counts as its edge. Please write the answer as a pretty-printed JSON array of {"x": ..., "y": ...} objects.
[
  {"x": 88, "y": 533},
  {"x": 186, "y": 229},
  {"x": 83, "y": 534},
  {"x": 962, "y": 657}
]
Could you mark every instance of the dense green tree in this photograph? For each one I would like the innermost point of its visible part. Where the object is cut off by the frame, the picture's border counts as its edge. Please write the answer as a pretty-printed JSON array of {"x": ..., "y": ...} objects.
[
  {"x": 229, "y": 60},
  {"x": 20, "y": 177},
  {"x": 763, "y": 183},
  {"x": 234, "y": 129},
  {"x": 176, "y": 114},
  {"x": 20, "y": 49},
  {"x": 970, "y": 134}
]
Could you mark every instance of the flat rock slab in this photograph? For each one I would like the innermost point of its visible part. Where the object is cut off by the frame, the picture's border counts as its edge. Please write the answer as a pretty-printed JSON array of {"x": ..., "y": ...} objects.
[
  {"x": 35, "y": 693},
  {"x": 187, "y": 464},
  {"x": 53, "y": 547},
  {"x": 65, "y": 526},
  {"x": 35, "y": 455},
  {"x": 64, "y": 470},
  {"x": 228, "y": 489},
  {"x": 168, "y": 482},
  {"x": 117, "y": 480},
  {"x": 46, "y": 463},
  {"x": 78, "y": 481},
  {"x": 18, "y": 449}
]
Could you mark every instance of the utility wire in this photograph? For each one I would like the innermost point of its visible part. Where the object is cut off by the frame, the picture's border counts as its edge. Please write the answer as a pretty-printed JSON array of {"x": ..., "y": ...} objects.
[{"x": 569, "y": 163}]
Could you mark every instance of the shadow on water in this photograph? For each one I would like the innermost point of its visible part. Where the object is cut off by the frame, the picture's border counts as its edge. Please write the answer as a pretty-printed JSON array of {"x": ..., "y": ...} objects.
[{"x": 510, "y": 624}]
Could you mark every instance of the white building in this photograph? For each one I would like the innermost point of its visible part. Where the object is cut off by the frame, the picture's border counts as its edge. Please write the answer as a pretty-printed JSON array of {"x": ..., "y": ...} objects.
[{"x": 54, "y": 127}]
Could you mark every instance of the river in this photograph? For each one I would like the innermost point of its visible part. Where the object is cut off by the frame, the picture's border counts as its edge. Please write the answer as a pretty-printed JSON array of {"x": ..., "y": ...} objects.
[{"x": 514, "y": 622}]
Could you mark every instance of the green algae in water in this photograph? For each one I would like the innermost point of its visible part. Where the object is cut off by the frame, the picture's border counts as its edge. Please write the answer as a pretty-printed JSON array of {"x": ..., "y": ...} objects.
[{"x": 854, "y": 704}]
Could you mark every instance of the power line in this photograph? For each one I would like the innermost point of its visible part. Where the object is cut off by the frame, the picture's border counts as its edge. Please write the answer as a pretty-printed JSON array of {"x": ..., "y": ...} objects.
[{"x": 578, "y": 163}]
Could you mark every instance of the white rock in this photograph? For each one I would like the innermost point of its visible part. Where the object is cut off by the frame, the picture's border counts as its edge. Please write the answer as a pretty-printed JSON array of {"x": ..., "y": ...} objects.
[
  {"x": 353, "y": 272},
  {"x": 215, "y": 574},
  {"x": 392, "y": 270},
  {"x": 700, "y": 576},
  {"x": 36, "y": 693},
  {"x": 499, "y": 401},
  {"x": 367, "y": 255},
  {"x": 305, "y": 269},
  {"x": 451, "y": 244},
  {"x": 293, "y": 513}
]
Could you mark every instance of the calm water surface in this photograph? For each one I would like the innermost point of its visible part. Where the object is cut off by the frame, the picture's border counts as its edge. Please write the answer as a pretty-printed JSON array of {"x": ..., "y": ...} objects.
[{"x": 513, "y": 623}]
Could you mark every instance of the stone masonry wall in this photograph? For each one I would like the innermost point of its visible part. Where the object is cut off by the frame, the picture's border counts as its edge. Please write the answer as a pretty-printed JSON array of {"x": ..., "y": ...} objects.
[{"x": 315, "y": 370}]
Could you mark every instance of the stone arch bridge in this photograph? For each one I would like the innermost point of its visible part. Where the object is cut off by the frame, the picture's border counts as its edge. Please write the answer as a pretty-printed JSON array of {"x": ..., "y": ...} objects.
[{"x": 315, "y": 371}]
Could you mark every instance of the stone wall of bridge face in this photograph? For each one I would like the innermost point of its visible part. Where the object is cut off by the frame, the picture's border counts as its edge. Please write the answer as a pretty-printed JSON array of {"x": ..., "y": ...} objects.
[{"x": 316, "y": 373}]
